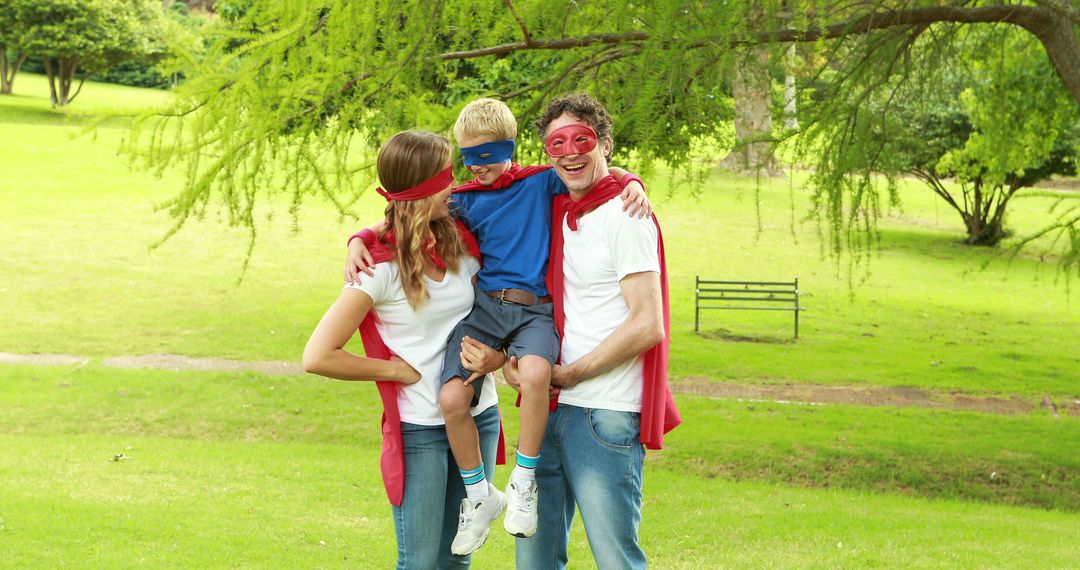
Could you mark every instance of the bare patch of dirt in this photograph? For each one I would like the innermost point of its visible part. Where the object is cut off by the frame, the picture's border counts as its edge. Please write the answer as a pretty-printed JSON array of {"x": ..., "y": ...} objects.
[
  {"x": 900, "y": 396},
  {"x": 43, "y": 359},
  {"x": 177, "y": 362}
]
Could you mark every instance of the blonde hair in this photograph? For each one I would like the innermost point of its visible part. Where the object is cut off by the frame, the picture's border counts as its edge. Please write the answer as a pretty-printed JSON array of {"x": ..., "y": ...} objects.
[
  {"x": 405, "y": 160},
  {"x": 486, "y": 117}
]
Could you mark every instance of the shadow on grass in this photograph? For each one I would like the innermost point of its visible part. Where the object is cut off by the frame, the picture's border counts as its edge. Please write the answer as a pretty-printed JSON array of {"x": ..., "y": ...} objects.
[
  {"x": 726, "y": 335},
  {"x": 23, "y": 110}
]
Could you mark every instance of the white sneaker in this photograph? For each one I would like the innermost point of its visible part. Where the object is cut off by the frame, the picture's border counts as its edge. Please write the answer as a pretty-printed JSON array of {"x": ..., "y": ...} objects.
[
  {"x": 474, "y": 521},
  {"x": 520, "y": 518}
]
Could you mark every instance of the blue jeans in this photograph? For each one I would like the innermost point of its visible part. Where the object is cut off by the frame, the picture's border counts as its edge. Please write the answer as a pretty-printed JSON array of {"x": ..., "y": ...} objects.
[
  {"x": 591, "y": 459},
  {"x": 426, "y": 521}
]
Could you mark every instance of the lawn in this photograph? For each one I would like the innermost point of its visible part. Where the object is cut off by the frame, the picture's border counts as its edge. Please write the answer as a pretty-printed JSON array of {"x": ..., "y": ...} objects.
[{"x": 249, "y": 470}]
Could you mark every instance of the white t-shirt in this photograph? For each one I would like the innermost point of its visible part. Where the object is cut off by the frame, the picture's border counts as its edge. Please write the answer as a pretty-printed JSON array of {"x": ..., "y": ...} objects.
[
  {"x": 419, "y": 337},
  {"x": 607, "y": 246}
]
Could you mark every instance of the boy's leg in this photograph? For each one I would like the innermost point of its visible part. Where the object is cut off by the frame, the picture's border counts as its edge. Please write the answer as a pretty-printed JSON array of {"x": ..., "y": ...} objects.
[
  {"x": 480, "y": 506},
  {"x": 454, "y": 398},
  {"x": 483, "y": 502},
  {"x": 537, "y": 345}
]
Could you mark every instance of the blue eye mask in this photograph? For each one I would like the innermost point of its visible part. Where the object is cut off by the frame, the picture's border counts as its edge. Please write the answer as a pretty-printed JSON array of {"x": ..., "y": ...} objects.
[{"x": 488, "y": 153}]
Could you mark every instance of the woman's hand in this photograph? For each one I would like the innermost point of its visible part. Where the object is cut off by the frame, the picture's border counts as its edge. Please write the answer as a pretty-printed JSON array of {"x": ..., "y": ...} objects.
[
  {"x": 403, "y": 372},
  {"x": 479, "y": 358}
]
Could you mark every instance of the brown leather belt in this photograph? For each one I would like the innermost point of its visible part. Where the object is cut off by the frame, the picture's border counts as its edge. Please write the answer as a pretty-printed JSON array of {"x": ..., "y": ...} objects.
[{"x": 519, "y": 297}]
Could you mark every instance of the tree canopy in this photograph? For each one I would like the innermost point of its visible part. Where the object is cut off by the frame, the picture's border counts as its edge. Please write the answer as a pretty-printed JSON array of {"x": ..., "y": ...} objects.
[
  {"x": 81, "y": 35},
  {"x": 292, "y": 96}
]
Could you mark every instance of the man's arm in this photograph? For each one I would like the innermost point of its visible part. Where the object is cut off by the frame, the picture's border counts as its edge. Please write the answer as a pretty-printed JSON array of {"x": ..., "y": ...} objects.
[{"x": 642, "y": 330}]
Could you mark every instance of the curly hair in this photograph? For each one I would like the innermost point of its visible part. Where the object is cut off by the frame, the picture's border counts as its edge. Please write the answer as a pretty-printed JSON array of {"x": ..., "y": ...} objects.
[
  {"x": 581, "y": 106},
  {"x": 405, "y": 160}
]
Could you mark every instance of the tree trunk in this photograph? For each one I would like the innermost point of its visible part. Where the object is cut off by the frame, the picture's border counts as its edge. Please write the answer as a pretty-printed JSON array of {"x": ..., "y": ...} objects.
[
  {"x": 752, "y": 90},
  {"x": 986, "y": 224},
  {"x": 60, "y": 79},
  {"x": 791, "y": 119},
  {"x": 51, "y": 75},
  {"x": 8, "y": 71}
]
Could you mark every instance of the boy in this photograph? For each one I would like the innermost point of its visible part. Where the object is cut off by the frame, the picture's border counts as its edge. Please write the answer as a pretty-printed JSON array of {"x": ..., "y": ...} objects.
[{"x": 508, "y": 208}]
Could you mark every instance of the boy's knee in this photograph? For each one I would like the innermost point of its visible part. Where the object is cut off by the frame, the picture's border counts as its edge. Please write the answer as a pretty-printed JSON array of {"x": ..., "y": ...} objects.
[
  {"x": 454, "y": 398},
  {"x": 535, "y": 374}
]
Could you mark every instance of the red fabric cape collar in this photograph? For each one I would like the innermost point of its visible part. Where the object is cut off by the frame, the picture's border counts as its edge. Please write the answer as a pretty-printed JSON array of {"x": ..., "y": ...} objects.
[
  {"x": 516, "y": 172},
  {"x": 392, "y": 456},
  {"x": 658, "y": 412}
]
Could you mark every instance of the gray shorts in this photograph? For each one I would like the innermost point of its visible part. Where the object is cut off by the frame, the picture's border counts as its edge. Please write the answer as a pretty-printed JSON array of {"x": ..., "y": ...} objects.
[{"x": 520, "y": 330}]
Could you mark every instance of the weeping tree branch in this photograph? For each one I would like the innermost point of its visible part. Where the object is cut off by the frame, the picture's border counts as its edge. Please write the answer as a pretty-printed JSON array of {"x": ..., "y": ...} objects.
[{"x": 1054, "y": 31}]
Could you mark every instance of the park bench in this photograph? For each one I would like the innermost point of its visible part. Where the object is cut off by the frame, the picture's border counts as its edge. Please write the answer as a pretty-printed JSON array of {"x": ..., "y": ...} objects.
[{"x": 770, "y": 295}]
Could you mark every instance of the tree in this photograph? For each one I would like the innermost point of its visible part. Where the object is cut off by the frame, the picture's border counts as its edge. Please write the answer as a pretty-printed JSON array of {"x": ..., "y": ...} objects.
[
  {"x": 308, "y": 89},
  {"x": 85, "y": 35},
  {"x": 11, "y": 54},
  {"x": 998, "y": 125},
  {"x": 751, "y": 89}
]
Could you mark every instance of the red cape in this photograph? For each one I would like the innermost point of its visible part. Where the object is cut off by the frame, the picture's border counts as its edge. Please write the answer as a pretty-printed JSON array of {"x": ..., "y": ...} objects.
[
  {"x": 392, "y": 457},
  {"x": 658, "y": 412},
  {"x": 516, "y": 172}
]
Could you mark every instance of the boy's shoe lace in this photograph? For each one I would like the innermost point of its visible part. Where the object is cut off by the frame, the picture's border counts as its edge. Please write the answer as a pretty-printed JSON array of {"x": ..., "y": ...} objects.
[{"x": 520, "y": 519}]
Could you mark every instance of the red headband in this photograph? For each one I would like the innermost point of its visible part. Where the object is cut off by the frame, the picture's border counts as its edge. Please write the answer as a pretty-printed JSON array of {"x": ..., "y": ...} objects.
[{"x": 429, "y": 187}]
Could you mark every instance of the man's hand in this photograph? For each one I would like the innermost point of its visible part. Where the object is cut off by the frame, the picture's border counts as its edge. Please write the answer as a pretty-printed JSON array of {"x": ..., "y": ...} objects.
[
  {"x": 510, "y": 373},
  {"x": 635, "y": 202},
  {"x": 479, "y": 358},
  {"x": 563, "y": 376},
  {"x": 358, "y": 260},
  {"x": 405, "y": 373}
]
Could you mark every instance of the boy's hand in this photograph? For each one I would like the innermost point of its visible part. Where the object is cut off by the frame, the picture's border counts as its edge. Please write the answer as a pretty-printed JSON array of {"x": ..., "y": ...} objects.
[
  {"x": 358, "y": 260},
  {"x": 635, "y": 202},
  {"x": 479, "y": 358}
]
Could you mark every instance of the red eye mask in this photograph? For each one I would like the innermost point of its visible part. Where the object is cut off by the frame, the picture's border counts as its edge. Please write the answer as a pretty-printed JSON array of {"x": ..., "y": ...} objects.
[{"x": 577, "y": 138}]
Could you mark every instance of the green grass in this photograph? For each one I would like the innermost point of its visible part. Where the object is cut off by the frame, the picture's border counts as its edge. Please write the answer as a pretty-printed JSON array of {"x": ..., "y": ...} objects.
[
  {"x": 78, "y": 225},
  {"x": 247, "y": 470},
  {"x": 254, "y": 471}
]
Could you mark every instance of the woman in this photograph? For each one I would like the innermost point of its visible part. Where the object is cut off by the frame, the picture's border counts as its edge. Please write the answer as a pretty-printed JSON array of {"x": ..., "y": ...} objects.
[{"x": 421, "y": 288}]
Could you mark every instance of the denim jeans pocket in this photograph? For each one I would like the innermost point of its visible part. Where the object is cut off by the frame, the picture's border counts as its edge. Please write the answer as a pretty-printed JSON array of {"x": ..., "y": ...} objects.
[{"x": 614, "y": 430}]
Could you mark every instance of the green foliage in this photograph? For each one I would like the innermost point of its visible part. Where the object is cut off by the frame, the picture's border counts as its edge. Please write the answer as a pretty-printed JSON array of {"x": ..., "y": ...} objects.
[
  {"x": 99, "y": 33},
  {"x": 980, "y": 105},
  {"x": 90, "y": 36},
  {"x": 1024, "y": 125},
  {"x": 294, "y": 97}
]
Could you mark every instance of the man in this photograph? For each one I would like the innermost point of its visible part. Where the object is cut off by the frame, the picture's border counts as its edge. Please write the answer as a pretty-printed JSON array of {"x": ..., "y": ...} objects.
[{"x": 609, "y": 289}]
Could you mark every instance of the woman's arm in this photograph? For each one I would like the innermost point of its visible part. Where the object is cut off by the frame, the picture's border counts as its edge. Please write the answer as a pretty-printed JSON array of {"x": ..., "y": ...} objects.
[{"x": 325, "y": 356}]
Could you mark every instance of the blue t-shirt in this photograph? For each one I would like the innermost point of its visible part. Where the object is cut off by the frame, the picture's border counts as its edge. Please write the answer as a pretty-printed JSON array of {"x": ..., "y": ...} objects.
[{"x": 513, "y": 228}]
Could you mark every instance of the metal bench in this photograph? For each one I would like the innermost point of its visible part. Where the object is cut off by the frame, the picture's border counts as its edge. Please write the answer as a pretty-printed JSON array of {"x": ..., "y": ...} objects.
[{"x": 782, "y": 295}]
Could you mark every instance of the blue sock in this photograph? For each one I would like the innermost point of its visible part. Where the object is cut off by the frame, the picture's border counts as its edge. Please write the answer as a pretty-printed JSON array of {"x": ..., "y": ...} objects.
[{"x": 476, "y": 485}]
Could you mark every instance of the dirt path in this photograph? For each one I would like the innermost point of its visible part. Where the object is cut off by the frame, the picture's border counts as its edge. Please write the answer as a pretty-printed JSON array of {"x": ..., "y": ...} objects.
[
  {"x": 778, "y": 393},
  {"x": 874, "y": 396}
]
